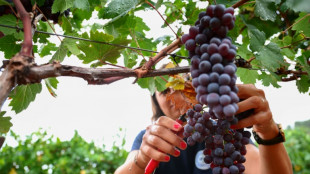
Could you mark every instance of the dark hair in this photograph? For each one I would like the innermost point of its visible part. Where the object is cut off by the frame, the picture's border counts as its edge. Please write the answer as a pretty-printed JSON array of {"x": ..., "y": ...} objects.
[{"x": 157, "y": 111}]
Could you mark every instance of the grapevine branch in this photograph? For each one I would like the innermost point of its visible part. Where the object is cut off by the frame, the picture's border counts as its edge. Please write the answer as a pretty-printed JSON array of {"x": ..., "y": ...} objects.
[
  {"x": 96, "y": 76},
  {"x": 239, "y": 3},
  {"x": 164, "y": 52},
  {"x": 24, "y": 15}
]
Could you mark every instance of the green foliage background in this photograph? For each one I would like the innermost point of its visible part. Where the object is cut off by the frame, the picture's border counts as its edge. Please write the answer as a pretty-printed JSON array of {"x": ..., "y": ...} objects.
[
  {"x": 43, "y": 153},
  {"x": 297, "y": 146}
]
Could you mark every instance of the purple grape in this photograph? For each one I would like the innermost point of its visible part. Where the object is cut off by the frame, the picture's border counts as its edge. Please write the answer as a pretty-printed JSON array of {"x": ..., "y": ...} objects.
[
  {"x": 213, "y": 99},
  {"x": 210, "y": 10},
  {"x": 213, "y": 88},
  {"x": 230, "y": 70},
  {"x": 228, "y": 161},
  {"x": 240, "y": 167},
  {"x": 198, "y": 107},
  {"x": 195, "y": 73},
  {"x": 190, "y": 113},
  {"x": 190, "y": 45},
  {"x": 236, "y": 155},
  {"x": 204, "y": 66},
  {"x": 216, "y": 170},
  {"x": 218, "y": 152},
  {"x": 231, "y": 54},
  {"x": 201, "y": 39},
  {"x": 219, "y": 10},
  {"x": 195, "y": 62},
  {"x": 216, "y": 41},
  {"x": 225, "y": 99},
  {"x": 223, "y": 49},
  {"x": 214, "y": 76},
  {"x": 234, "y": 97},
  {"x": 222, "y": 31},
  {"x": 212, "y": 48},
  {"x": 219, "y": 68},
  {"x": 188, "y": 128},
  {"x": 224, "y": 79},
  {"x": 185, "y": 37},
  {"x": 229, "y": 10},
  {"x": 229, "y": 148},
  {"x": 229, "y": 110},
  {"x": 204, "y": 48},
  {"x": 205, "y": 21},
  {"x": 205, "y": 56},
  {"x": 193, "y": 31},
  {"x": 199, "y": 127},
  {"x": 202, "y": 14},
  {"x": 227, "y": 18},
  {"x": 233, "y": 169},
  {"x": 224, "y": 89},
  {"x": 190, "y": 141},
  {"x": 225, "y": 170},
  {"x": 216, "y": 58},
  {"x": 204, "y": 79},
  {"x": 218, "y": 160},
  {"x": 195, "y": 82},
  {"x": 197, "y": 50}
]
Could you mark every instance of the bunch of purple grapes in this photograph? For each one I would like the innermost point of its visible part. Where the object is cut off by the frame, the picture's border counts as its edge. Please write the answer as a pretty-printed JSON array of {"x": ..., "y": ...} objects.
[{"x": 213, "y": 76}]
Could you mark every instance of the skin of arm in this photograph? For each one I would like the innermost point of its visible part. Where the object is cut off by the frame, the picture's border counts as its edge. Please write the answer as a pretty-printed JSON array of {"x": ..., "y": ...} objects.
[{"x": 267, "y": 159}]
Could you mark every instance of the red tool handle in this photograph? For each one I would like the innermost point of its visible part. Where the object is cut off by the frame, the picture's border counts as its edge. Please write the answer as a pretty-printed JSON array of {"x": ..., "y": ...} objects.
[{"x": 153, "y": 164}]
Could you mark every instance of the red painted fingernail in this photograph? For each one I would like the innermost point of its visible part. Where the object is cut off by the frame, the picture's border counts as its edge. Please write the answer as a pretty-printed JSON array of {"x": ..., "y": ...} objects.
[
  {"x": 177, "y": 125},
  {"x": 183, "y": 145},
  {"x": 167, "y": 158},
  {"x": 176, "y": 152}
]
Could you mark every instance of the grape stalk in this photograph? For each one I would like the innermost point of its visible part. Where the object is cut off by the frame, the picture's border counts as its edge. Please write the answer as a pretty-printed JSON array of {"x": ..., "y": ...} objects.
[{"x": 212, "y": 55}]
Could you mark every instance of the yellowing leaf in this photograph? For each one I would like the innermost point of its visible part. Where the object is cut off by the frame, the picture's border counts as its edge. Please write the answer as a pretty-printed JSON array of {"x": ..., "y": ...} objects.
[
  {"x": 170, "y": 65},
  {"x": 176, "y": 84}
]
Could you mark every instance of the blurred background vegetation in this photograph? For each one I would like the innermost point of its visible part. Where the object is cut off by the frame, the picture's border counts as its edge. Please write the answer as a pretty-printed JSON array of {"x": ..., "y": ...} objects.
[
  {"x": 40, "y": 153},
  {"x": 43, "y": 153}
]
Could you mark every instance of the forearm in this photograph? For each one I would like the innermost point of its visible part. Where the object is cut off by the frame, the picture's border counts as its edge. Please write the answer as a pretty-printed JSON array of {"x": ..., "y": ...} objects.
[
  {"x": 130, "y": 166},
  {"x": 274, "y": 159}
]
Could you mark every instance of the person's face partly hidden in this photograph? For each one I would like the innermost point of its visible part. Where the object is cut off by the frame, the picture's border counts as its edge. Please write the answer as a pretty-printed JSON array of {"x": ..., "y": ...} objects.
[{"x": 167, "y": 106}]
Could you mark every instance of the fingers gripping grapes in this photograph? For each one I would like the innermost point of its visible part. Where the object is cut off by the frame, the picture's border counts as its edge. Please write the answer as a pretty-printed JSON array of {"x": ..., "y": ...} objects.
[{"x": 253, "y": 98}]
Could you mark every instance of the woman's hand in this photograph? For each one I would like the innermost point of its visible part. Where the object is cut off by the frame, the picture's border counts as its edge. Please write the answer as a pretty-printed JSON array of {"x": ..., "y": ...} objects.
[
  {"x": 261, "y": 120},
  {"x": 159, "y": 140}
]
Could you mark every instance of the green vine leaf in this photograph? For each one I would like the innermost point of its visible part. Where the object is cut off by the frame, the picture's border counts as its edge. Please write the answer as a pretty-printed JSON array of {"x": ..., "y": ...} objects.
[
  {"x": 117, "y": 8},
  {"x": 303, "y": 24},
  {"x": 271, "y": 79},
  {"x": 23, "y": 95},
  {"x": 46, "y": 49},
  {"x": 147, "y": 83},
  {"x": 298, "y": 5},
  {"x": 270, "y": 57},
  {"x": 257, "y": 39},
  {"x": 9, "y": 46},
  {"x": 247, "y": 76},
  {"x": 265, "y": 9},
  {"x": 160, "y": 83},
  {"x": 11, "y": 20},
  {"x": 5, "y": 123},
  {"x": 82, "y": 4},
  {"x": 303, "y": 84},
  {"x": 62, "y": 5}
]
